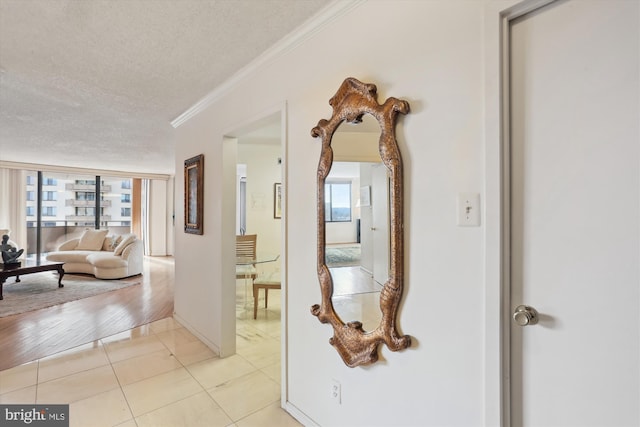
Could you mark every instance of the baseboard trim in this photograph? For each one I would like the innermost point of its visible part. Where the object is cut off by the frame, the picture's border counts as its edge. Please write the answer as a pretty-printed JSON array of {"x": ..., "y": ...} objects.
[{"x": 195, "y": 332}]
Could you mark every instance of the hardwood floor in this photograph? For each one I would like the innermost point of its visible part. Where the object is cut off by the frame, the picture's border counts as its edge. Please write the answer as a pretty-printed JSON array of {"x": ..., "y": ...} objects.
[{"x": 33, "y": 335}]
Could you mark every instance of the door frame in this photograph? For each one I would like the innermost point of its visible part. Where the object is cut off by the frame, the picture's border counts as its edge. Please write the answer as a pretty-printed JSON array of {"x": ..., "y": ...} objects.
[
  {"x": 498, "y": 15},
  {"x": 277, "y": 112},
  {"x": 503, "y": 201},
  {"x": 381, "y": 239}
]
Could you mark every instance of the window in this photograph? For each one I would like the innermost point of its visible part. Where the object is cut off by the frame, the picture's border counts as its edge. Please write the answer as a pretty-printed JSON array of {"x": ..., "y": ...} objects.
[
  {"x": 125, "y": 198},
  {"x": 85, "y": 211},
  {"x": 85, "y": 195},
  {"x": 49, "y": 196},
  {"x": 125, "y": 211},
  {"x": 337, "y": 197},
  {"x": 69, "y": 204},
  {"x": 126, "y": 184},
  {"x": 49, "y": 211}
]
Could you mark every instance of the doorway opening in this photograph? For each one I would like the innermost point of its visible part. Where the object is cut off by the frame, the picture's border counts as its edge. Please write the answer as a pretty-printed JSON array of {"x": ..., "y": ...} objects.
[{"x": 259, "y": 212}]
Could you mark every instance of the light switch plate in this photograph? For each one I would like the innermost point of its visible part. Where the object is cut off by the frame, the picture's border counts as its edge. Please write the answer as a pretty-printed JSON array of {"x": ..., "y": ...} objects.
[{"x": 468, "y": 206}]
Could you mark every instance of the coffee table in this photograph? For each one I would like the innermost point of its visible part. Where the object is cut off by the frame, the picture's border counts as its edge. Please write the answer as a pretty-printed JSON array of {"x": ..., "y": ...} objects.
[{"x": 27, "y": 267}]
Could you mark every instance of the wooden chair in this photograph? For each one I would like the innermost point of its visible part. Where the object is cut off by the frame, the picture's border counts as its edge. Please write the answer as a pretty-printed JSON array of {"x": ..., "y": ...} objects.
[
  {"x": 266, "y": 283},
  {"x": 246, "y": 250}
]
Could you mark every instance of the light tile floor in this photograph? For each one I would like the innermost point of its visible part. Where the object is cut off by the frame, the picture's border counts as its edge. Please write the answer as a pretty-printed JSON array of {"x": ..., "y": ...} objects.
[{"x": 162, "y": 375}]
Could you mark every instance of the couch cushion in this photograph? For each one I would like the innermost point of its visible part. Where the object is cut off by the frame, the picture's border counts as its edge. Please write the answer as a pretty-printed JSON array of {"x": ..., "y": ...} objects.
[
  {"x": 126, "y": 240},
  {"x": 91, "y": 240},
  {"x": 106, "y": 260},
  {"x": 69, "y": 256},
  {"x": 110, "y": 243}
]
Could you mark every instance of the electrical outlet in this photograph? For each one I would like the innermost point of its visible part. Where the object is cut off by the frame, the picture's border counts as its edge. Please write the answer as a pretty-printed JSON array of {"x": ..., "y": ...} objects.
[
  {"x": 336, "y": 392},
  {"x": 468, "y": 210}
]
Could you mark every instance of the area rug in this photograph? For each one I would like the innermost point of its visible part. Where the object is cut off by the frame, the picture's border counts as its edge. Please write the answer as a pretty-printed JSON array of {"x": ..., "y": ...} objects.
[
  {"x": 347, "y": 256},
  {"x": 40, "y": 290}
]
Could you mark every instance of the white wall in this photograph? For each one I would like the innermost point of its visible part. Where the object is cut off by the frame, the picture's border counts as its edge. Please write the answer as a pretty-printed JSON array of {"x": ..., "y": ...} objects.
[
  {"x": 169, "y": 209},
  {"x": 366, "y": 221},
  {"x": 263, "y": 171},
  {"x": 430, "y": 53},
  {"x": 157, "y": 238}
]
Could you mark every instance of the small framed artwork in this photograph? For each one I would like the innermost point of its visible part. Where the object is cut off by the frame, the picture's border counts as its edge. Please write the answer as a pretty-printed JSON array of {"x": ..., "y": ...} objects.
[
  {"x": 365, "y": 196},
  {"x": 193, "y": 194},
  {"x": 277, "y": 200}
]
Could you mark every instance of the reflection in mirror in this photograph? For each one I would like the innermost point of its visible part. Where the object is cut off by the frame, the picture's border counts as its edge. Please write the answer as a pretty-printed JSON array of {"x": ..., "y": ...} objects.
[
  {"x": 357, "y": 223},
  {"x": 360, "y": 205}
]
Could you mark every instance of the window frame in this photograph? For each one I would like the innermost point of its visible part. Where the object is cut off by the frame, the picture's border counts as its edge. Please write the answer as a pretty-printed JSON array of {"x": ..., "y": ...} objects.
[{"x": 328, "y": 197}]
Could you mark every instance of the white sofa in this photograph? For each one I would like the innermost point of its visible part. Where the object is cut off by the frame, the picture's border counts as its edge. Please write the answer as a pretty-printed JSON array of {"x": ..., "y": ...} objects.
[{"x": 106, "y": 257}]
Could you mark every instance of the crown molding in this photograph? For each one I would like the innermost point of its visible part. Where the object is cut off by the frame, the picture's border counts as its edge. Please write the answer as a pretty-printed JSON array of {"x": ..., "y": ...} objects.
[
  {"x": 81, "y": 171},
  {"x": 290, "y": 41}
]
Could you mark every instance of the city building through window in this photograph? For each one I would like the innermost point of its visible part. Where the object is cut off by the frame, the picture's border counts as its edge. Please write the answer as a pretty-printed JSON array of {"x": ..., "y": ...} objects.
[{"x": 68, "y": 204}]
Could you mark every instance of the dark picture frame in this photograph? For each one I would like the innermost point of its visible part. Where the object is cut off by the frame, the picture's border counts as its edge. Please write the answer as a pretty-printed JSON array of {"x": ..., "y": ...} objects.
[
  {"x": 193, "y": 194},
  {"x": 277, "y": 200}
]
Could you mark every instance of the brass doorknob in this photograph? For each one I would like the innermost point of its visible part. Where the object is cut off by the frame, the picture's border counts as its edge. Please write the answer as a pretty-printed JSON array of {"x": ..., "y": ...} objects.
[{"x": 525, "y": 315}]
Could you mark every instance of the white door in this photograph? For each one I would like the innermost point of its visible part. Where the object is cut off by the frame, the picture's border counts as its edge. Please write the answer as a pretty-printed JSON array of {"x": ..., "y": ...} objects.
[
  {"x": 575, "y": 214},
  {"x": 380, "y": 222}
]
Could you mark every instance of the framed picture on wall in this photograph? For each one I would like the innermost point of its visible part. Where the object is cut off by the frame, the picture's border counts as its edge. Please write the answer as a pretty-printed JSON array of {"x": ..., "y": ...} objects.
[
  {"x": 277, "y": 200},
  {"x": 193, "y": 194},
  {"x": 365, "y": 195}
]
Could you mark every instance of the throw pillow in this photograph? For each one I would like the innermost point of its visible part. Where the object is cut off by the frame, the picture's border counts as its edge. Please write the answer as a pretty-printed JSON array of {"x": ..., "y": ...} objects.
[
  {"x": 110, "y": 243},
  {"x": 126, "y": 240},
  {"x": 92, "y": 240}
]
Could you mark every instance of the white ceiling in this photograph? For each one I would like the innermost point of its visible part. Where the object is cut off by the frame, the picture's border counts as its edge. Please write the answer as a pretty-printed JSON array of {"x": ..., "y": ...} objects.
[{"x": 96, "y": 83}]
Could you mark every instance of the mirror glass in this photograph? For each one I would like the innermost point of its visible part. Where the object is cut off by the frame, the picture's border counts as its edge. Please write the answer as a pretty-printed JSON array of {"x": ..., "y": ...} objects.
[{"x": 357, "y": 222}]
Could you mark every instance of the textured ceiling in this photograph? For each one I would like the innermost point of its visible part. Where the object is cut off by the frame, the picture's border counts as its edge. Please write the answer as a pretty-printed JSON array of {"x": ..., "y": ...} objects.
[{"x": 96, "y": 83}]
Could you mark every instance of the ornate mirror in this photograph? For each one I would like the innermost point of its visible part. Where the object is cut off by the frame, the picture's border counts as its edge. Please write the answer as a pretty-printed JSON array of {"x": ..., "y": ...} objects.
[{"x": 351, "y": 104}]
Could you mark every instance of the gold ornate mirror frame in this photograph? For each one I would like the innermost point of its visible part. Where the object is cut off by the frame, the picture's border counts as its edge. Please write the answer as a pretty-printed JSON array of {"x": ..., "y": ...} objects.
[{"x": 357, "y": 347}]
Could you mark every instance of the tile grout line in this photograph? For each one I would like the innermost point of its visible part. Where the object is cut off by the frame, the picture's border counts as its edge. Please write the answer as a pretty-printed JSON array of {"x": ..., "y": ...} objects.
[
  {"x": 183, "y": 366},
  {"x": 235, "y": 379},
  {"x": 209, "y": 394},
  {"x": 119, "y": 383},
  {"x": 186, "y": 368},
  {"x": 122, "y": 388},
  {"x": 155, "y": 333}
]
